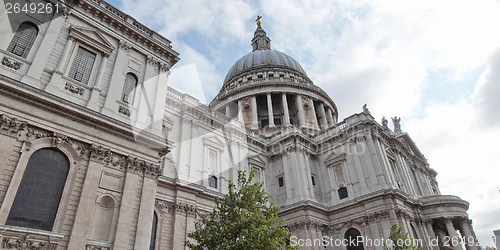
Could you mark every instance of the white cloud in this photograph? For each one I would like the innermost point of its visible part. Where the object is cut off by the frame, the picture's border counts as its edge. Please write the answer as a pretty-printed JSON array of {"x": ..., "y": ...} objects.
[
  {"x": 466, "y": 158},
  {"x": 486, "y": 96}
]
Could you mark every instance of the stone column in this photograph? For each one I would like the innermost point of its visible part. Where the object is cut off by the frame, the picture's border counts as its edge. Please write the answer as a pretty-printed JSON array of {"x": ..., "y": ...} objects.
[
  {"x": 96, "y": 90},
  {"x": 470, "y": 240},
  {"x": 83, "y": 219},
  {"x": 313, "y": 110},
  {"x": 160, "y": 99},
  {"x": 240, "y": 112},
  {"x": 64, "y": 55},
  {"x": 40, "y": 60},
  {"x": 255, "y": 122},
  {"x": 270, "y": 114},
  {"x": 228, "y": 111},
  {"x": 298, "y": 102},
  {"x": 53, "y": 86},
  {"x": 143, "y": 100},
  {"x": 284, "y": 104},
  {"x": 329, "y": 116},
  {"x": 432, "y": 242},
  {"x": 116, "y": 85},
  {"x": 452, "y": 233},
  {"x": 127, "y": 207},
  {"x": 324, "y": 124},
  {"x": 146, "y": 210}
]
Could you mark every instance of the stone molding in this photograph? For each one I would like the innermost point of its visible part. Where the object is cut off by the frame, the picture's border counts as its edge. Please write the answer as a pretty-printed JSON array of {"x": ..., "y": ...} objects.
[
  {"x": 126, "y": 162},
  {"x": 74, "y": 89},
  {"x": 26, "y": 242},
  {"x": 180, "y": 208},
  {"x": 11, "y": 63}
]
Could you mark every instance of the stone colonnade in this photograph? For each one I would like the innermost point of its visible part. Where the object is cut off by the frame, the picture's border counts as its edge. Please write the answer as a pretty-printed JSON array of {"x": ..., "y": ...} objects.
[
  {"x": 445, "y": 229},
  {"x": 310, "y": 113}
]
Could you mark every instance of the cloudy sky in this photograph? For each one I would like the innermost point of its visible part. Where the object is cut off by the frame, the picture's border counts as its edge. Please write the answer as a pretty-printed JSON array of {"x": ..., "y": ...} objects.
[{"x": 434, "y": 63}]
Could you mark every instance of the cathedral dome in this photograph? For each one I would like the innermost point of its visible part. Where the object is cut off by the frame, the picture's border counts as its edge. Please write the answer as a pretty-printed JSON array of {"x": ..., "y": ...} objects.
[
  {"x": 264, "y": 58},
  {"x": 267, "y": 90}
]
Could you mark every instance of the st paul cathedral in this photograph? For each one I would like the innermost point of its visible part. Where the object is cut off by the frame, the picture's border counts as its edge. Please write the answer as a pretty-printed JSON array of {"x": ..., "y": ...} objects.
[{"x": 97, "y": 152}]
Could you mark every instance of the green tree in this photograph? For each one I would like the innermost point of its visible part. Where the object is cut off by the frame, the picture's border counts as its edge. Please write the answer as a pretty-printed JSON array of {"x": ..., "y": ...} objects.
[
  {"x": 245, "y": 219},
  {"x": 400, "y": 240},
  {"x": 489, "y": 248}
]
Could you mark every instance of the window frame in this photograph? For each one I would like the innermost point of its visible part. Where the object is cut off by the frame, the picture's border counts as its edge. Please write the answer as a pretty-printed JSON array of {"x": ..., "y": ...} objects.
[
  {"x": 29, "y": 192},
  {"x": 30, "y": 50},
  {"x": 95, "y": 66},
  {"x": 74, "y": 165},
  {"x": 134, "y": 91}
]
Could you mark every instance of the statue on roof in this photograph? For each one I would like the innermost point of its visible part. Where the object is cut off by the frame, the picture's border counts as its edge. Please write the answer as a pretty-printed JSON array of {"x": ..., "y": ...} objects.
[
  {"x": 365, "y": 109},
  {"x": 384, "y": 122},
  {"x": 258, "y": 21},
  {"x": 397, "y": 125}
]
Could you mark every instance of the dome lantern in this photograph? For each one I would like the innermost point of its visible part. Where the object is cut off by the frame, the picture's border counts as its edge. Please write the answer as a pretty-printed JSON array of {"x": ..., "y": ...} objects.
[{"x": 260, "y": 40}]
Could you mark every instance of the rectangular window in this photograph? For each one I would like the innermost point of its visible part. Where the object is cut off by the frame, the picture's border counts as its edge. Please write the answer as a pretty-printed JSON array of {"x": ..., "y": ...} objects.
[
  {"x": 281, "y": 182},
  {"x": 313, "y": 180},
  {"x": 212, "y": 182},
  {"x": 277, "y": 122},
  {"x": 343, "y": 193},
  {"x": 264, "y": 123},
  {"x": 82, "y": 65}
]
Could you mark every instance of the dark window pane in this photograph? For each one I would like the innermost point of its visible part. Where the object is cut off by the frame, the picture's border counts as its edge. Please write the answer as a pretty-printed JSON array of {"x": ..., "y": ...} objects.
[
  {"x": 153, "y": 232},
  {"x": 264, "y": 123},
  {"x": 39, "y": 194},
  {"x": 212, "y": 181},
  {"x": 277, "y": 121},
  {"x": 351, "y": 236},
  {"x": 281, "y": 182},
  {"x": 129, "y": 88},
  {"x": 343, "y": 193},
  {"x": 23, "y": 40},
  {"x": 313, "y": 181},
  {"x": 82, "y": 65}
]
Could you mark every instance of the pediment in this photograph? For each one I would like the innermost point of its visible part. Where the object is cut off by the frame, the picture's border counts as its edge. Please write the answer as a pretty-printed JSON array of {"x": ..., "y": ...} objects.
[
  {"x": 214, "y": 141},
  {"x": 334, "y": 159},
  {"x": 91, "y": 37},
  {"x": 256, "y": 160}
]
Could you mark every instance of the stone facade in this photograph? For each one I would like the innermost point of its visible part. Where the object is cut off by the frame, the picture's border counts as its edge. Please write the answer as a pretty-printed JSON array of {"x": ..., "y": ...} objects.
[{"x": 144, "y": 160}]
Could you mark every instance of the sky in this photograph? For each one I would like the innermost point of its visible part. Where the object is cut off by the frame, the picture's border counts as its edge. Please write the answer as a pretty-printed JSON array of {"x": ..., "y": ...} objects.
[{"x": 435, "y": 64}]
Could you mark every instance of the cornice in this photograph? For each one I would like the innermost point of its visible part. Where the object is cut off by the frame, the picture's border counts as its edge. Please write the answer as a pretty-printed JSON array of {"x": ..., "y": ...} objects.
[
  {"x": 123, "y": 24},
  {"x": 28, "y": 133}
]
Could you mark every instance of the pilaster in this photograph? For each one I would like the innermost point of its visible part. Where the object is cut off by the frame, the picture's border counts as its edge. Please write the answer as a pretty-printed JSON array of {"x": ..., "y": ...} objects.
[{"x": 42, "y": 55}]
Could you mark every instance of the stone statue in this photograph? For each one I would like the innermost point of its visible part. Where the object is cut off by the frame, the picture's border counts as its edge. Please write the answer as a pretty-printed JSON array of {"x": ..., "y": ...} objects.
[
  {"x": 384, "y": 122},
  {"x": 397, "y": 125},
  {"x": 365, "y": 110},
  {"x": 258, "y": 21}
]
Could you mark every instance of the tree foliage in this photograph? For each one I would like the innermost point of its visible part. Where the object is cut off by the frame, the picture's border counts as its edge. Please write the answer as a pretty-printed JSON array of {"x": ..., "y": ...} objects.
[
  {"x": 400, "y": 240},
  {"x": 245, "y": 219}
]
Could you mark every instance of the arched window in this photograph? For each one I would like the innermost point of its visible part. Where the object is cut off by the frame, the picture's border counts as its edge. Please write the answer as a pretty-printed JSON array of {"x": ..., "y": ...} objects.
[
  {"x": 153, "y": 232},
  {"x": 23, "y": 39},
  {"x": 212, "y": 181},
  {"x": 351, "y": 235},
  {"x": 39, "y": 193},
  {"x": 129, "y": 88}
]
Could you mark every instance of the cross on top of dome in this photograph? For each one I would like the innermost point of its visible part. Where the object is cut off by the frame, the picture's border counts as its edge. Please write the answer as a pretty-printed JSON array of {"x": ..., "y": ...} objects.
[{"x": 260, "y": 40}]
